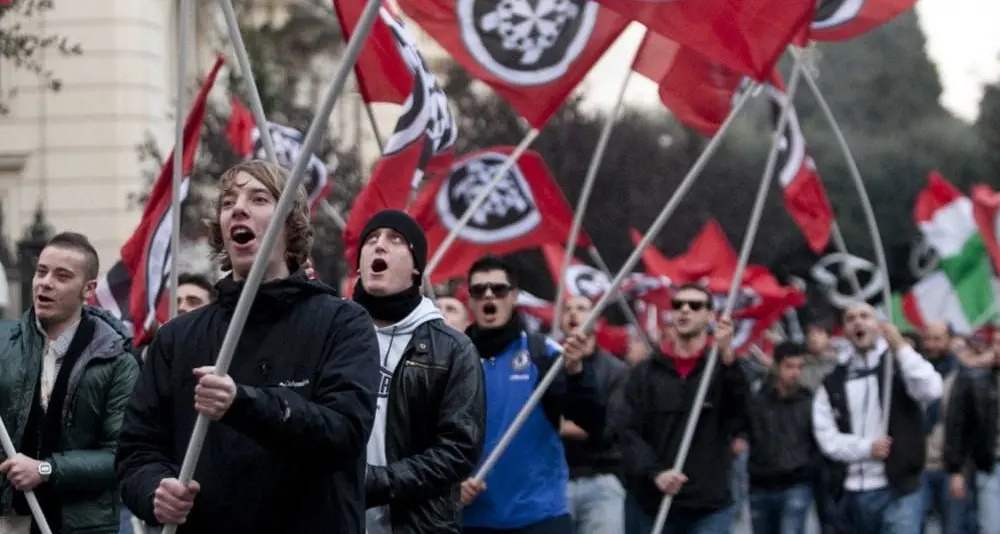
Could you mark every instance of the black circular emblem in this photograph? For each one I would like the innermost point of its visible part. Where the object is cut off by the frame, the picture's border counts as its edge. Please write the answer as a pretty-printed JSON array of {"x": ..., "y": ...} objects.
[
  {"x": 287, "y": 147},
  {"x": 509, "y": 211},
  {"x": 584, "y": 280},
  {"x": 526, "y": 42},
  {"x": 831, "y": 13}
]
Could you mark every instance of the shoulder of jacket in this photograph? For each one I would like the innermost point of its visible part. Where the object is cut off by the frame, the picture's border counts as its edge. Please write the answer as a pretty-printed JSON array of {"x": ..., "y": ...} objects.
[{"x": 439, "y": 329}]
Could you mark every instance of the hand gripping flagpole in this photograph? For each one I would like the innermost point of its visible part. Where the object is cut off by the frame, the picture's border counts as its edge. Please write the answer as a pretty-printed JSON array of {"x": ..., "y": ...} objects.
[
  {"x": 36, "y": 508},
  {"x": 478, "y": 202},
  {"x": 866, "y": 206},
  {"x": 658, "y": 224},
  {"x": 767, "y": 177},
  {"x": 283, "y": 208},
  {"x": 183, "y": 8},
  {"x": 588, "y": 186}
]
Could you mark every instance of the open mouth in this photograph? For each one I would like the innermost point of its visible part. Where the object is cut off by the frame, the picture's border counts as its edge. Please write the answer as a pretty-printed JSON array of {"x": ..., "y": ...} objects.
[
  {"x": 242, "y": 235},
  {"x": 859, "y": 336},
  {"x": 379, "y": 265},
  {"x": 45, "y": 300},
  {"x": 489, "y": 309},
  {"x": 573, "y": 325}
]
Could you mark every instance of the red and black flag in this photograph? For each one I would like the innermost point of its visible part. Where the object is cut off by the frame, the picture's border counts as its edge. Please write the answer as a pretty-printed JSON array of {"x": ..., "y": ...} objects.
[
  {"x": 422, "y": 144},
  {"x": 747, "y": 36},
  {"x": 244, "y": 136},
  {"x": 526, "y": 210},
  {"x": 147, "y": 255},
  {"x": 532, "y": 53},
  {"x": 805, "y": 196},
  {"x": 840, "y": 20}
]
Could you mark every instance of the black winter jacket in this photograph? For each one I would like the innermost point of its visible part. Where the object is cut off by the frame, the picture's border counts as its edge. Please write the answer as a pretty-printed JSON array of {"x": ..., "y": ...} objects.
[
  {"x": 655, "y": 411},
  {"x": 435, "y": 426},
  {"x": 971, "y": 422},
  {"x": 289, "y": 454},
  {"x": 783, "y": 451}
]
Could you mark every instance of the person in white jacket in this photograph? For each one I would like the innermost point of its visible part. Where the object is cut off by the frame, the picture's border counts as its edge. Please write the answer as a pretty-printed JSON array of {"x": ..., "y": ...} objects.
[{"x": 876, "y": 474}]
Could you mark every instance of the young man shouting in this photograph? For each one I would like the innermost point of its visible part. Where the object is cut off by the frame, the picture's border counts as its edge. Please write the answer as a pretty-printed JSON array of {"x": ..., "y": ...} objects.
[{"x": 286, "y": 452}]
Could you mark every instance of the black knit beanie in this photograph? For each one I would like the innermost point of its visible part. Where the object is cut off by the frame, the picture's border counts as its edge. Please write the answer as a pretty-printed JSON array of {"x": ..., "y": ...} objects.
[{"x": 406, "y": 226}]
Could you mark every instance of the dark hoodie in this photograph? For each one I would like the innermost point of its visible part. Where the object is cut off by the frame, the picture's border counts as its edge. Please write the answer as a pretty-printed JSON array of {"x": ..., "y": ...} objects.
[
  {"x": 657, "y": 401},
  {"x": 289, "y": 455}
]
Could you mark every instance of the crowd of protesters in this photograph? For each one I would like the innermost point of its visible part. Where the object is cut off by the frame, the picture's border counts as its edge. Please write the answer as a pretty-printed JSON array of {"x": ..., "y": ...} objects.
[{"x": 376, "y": 414}]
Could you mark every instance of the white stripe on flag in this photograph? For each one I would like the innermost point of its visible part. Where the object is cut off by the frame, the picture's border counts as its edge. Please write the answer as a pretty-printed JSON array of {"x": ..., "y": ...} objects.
[
  {"x": 950, "y": 227},
  {"x": 937, "y": 300}
]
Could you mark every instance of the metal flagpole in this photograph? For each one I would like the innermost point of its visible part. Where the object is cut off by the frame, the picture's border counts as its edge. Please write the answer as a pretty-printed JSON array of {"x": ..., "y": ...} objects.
[
  {"x": 249, "y": 84},
  {"x": 277, "y": 222},
  {"x": 36, "y": 508},
  {"x": 767, "y": 177},
  {"x": 475, "y": 205},
  {"x": 588, "y": 186},
  {"x": 630, "y": 263},
  {"x": 866, "y": 206},
  {"x": 183, "y": 9}
]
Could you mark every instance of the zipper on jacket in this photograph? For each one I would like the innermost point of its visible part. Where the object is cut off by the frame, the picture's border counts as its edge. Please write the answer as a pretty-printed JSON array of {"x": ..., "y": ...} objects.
[{"x": 425, "y": 365}]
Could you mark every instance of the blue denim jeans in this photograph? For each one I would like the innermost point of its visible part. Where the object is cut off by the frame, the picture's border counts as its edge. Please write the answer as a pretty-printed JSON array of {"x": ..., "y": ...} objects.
[
  {"x": 739, "y": 482},
  {"x": 678, "y": 522},
  {"x": 780, "y": 511},
  {"x": 938, "y": 500},
  {"x": 597, "y": 504},
  {"x": 125, "y": 520},
  {"x": 988, "y": 495},
  {"x": 879, "y": 512}
]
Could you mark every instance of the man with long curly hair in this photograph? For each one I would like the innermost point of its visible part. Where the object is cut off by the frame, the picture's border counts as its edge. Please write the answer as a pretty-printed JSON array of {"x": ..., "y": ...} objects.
[{"x": 286, "y": 452}]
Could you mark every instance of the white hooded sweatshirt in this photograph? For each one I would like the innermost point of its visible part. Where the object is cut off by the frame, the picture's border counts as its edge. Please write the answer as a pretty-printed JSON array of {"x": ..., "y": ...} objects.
[{"x": 392, "y": 342}]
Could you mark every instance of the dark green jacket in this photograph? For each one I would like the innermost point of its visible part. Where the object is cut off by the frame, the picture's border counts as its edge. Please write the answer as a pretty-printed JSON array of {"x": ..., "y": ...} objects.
[{"x": 100, "y": 383}]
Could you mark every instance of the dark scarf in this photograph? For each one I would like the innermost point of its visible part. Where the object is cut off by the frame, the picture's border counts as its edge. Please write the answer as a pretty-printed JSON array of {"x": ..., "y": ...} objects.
[
  {"x": 390, "y": 308},
  {"x": 43, "y": 430},
  {"x": 944, "y": 365},
  {"x": 492, "y": 341}
]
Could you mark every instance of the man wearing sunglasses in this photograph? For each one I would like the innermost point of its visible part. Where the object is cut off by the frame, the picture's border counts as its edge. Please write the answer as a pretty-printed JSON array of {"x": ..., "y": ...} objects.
[
  {"x": 525, "y": 493},
  {"x": 431, "y": 408},
  {"x": 658, "y": 399}
]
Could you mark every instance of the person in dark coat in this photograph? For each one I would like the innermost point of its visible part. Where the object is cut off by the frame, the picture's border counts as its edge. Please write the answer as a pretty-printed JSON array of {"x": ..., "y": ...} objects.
[
  {"x": 431, "y": 417},
  {"x": 286, "y": 449}
]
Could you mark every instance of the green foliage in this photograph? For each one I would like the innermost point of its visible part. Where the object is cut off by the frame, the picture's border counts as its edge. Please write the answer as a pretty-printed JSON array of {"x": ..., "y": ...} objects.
[{"x": 24, "y": 48}]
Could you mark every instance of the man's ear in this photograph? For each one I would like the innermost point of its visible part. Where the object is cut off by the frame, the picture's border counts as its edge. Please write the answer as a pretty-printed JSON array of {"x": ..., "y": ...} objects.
[{"x": 89, "y": 289}]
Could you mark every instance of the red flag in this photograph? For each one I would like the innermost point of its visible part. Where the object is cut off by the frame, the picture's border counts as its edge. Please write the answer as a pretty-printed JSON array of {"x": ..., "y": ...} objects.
[
  {"x": 146, "y": 255},
  {"x": 244, "y": 137},
  {"x": 986, "y": 210},
  {"x": 840, "y": 20},
  {"x": 581, "y": 279},
  {"x": 239, "y": 128},
  {"x": 526, "y": 210},
  {"x": 805, "y": 196},
  {"x": 747, "y": 36},
  {"x": 382, "y": 74},
  {"x": 532, "y": 54},
  {"x": 422, "y": 144},
  {"x": 697, "y": 90}
]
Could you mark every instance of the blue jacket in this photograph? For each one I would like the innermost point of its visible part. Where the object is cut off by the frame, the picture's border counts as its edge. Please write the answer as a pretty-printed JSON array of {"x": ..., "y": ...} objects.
[{"x": 528, "y": 483}]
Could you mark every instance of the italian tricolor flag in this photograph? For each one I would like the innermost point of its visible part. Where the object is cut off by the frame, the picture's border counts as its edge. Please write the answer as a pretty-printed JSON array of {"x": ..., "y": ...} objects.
[{"x": 963, "y": 290}]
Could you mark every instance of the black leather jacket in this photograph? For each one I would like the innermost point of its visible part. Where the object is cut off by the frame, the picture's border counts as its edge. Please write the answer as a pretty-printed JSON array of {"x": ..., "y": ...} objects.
[
  {"x": 435, "y": 427},
  {"x": 971, "y": 421}
]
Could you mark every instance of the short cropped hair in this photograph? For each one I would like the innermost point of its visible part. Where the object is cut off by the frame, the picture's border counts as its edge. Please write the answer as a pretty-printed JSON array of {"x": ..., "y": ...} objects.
[
  {"x": 490, "y": 262},
  {"x": 198, "y": 281},
  {"x": 788, "y": 349},
  {"x": 80, "y": 243}
]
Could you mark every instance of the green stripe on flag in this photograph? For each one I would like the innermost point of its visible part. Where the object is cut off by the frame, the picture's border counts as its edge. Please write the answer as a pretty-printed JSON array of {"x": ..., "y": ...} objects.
[{"x": 971, "y": 275}]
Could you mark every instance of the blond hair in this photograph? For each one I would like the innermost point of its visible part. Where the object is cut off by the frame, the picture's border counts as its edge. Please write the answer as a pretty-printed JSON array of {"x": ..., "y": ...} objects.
[{"x": 298, "y": 228}]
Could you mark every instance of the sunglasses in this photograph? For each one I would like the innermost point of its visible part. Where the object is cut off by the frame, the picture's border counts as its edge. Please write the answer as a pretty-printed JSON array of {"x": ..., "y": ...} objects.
[
  {"x": 478, "y": 291},
  {"x": 695, "y": 305}
]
